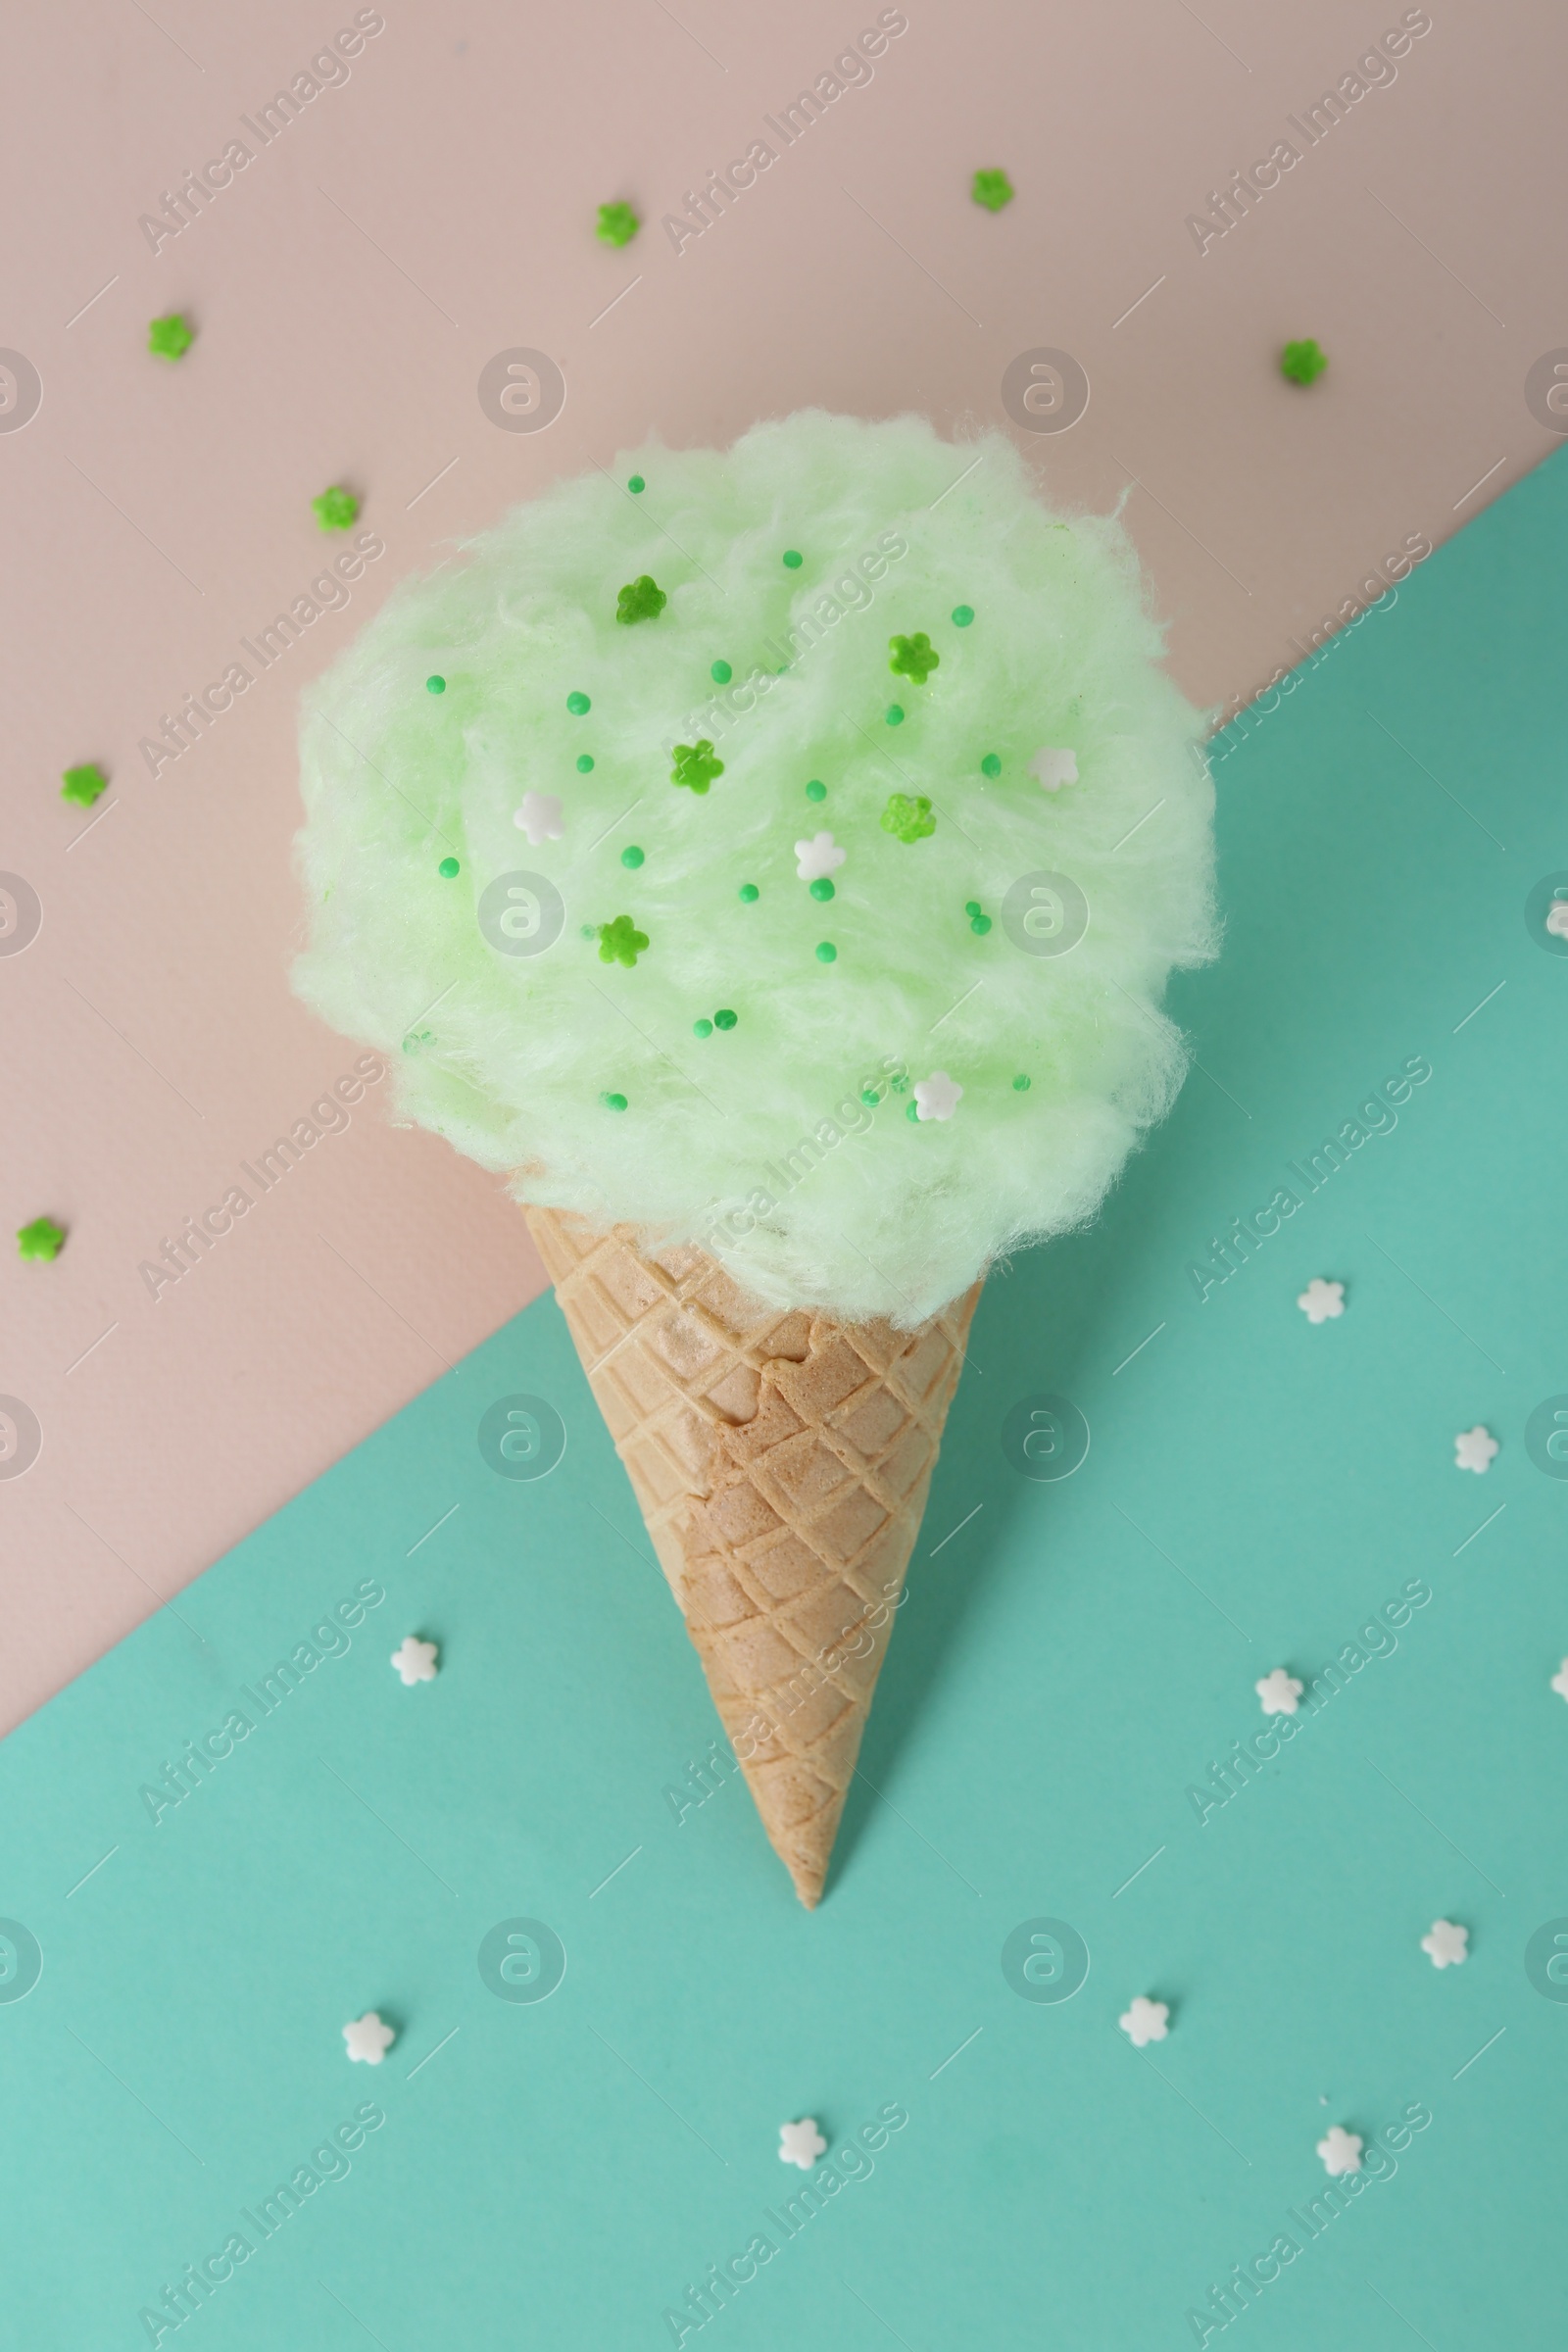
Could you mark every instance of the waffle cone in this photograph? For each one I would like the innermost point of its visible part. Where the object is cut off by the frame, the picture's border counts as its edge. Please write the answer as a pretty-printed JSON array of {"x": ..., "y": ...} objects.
[{"x": 782, "y": 1461}]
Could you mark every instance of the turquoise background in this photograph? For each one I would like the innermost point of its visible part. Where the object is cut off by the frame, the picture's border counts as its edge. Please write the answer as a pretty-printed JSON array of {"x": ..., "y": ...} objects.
[{"x": 1067, "y": 1662}]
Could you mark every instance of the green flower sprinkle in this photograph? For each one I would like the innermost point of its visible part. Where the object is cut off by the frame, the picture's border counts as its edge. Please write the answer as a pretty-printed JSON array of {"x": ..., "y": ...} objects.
[
  {"x": 1020, "y": 1085},
  {"x": 617, "y": 223},
  {"x": 748, "y": 893},
  {"x": 1302, "y": 362},
  {"x": 169, "y": 338},
  {"x": 614, "y": 1101},
  {"x": 83, "y": 785},
  {"x": 908, "y": 818},
  {"x": 721, "y": 674},
  {"x": 40, "y": 1239},
  {"x": 991, "y": 766},
  {"x": 694, "y": 766},
  {"x": 435, "y": 685},
  {"x": 816, "y": 791},
  {"x": 993, "y": 189},
  {"x": 701, "y": 1028},
  {"x": 578, "y": 704},
  {"x": 585, "y": 763},
  {"x": 636, "y": 485},
  {"x": 335, "y": 509},
  {"x": 448, "y": 867},
  {"x": 912, "y": 656},
  {"x": 640, "y": 600},
  {"x": 826, "y": 952},
  {"x": 725, "y": 1019},
  {"x": 631, "y": 855},
  {"x": 620, "y": 942},
  {"x": 821, "y": 888},
  {"x": 894, "y": 715},
  {"x": 962, "y": 615},
  {"x": 793, "y": 559}
]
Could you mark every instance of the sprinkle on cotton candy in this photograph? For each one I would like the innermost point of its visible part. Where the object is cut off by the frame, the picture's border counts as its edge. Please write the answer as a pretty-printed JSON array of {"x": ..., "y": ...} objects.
[{"x": 545, "y": 1006}]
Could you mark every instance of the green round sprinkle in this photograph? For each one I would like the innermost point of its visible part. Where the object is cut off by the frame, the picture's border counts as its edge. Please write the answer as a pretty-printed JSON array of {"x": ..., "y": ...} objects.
[
  {"x": 1020, "y": 1086},
  {"x": 821, "y": 888},
  {"x": 720, "y": 674},
  {"x": 971, "y": 907},
  {"x": 962, "y": 615},
  {"x": 578, "y": 704},
  {"x": 725, "y": 1019},
  {"x": 748, "y": 893},
  {"x": 816, "y": 791},
  {"x": 448, "y": 866},
  {"x": 894, "y": 715},
  {"x": 980, "y": 924},
  {"x": 991, "y": 766},
  {"x": 870, "y": 1097},
  {"x": 614, "y": 1101},
  {"x": 793, "y": 559},
  {"x": 585, "y": 763},
  {"x": 435, "y": 685},
  {"x": 912, "y": 1111},
  {"x": 701, "y": 1028},
  {"x": 636, "y": 485},
  {"x": 631, "y": 855},
  {"x": 901, "y": 1084},
  {"x": 826, "y": 952}
]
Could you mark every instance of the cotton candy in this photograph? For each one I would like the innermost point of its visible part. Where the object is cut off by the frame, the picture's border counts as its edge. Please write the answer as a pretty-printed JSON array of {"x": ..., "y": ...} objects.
[{"x": 509, "y": 995}]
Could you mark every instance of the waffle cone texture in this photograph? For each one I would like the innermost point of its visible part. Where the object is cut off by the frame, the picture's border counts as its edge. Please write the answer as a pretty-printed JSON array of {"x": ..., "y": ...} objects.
[{"x": 782, "y": 1461}]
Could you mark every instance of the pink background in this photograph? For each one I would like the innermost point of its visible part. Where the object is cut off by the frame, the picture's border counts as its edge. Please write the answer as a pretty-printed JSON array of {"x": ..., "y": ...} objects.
[{"x": 347, "y": 289}]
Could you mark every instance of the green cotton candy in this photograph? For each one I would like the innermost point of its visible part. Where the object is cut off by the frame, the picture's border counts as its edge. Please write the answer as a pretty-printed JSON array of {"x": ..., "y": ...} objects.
[{"x": 788, "y": 1154}]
